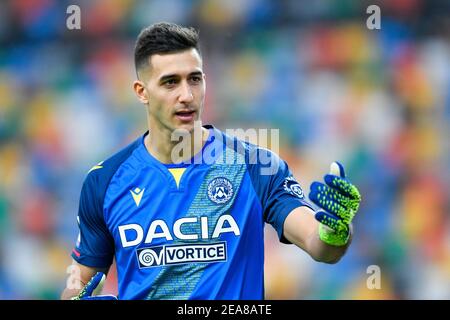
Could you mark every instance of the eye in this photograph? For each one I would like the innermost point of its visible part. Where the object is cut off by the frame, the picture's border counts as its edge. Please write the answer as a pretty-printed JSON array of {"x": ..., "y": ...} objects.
[
  {"x": 170, "y": 82},
  {"x": 196, "y": 79}
]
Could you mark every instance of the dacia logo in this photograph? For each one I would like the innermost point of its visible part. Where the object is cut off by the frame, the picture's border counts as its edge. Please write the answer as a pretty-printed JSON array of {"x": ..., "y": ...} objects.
[{"x": 133, "y": 234}]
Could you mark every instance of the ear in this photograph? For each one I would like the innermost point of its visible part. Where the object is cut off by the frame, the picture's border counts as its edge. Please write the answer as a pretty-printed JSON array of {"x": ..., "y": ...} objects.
[{"x": 141, "y": 91}]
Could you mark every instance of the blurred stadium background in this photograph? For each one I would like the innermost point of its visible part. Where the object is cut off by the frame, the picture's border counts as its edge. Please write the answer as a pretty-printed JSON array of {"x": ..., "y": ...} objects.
[{"x": 377, "y": 100}]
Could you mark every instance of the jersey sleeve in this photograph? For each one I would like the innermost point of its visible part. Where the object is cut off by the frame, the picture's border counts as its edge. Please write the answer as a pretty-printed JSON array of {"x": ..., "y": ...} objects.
[
  {"x": 95, "y": 245},
  {"x": 278, "y": 191}
]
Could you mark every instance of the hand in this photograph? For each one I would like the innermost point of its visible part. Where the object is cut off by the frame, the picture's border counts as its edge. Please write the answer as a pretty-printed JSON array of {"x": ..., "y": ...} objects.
[
  {"x": 96, "y": 281},
  {"x": 339, "y": 200}
]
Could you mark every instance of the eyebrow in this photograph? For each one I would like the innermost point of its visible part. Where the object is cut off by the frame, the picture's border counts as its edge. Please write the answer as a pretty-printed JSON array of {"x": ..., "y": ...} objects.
[{"x": 174, "y": 75}]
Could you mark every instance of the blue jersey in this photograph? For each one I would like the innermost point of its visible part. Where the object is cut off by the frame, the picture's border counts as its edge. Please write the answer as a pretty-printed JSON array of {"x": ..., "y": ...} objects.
[{"x": 188, "y": 231}]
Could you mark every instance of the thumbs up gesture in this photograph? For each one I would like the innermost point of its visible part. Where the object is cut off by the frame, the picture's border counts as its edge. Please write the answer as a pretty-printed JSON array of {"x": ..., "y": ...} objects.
[{"x": 339, "y": 200}]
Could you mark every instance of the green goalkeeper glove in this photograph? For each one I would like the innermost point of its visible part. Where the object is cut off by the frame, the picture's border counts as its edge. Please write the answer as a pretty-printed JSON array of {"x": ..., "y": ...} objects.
[{"x": 340, "y": 201}]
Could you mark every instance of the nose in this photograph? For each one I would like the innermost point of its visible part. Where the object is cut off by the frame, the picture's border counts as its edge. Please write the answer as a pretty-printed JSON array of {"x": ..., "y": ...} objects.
[{"x": 186, "y": 95}]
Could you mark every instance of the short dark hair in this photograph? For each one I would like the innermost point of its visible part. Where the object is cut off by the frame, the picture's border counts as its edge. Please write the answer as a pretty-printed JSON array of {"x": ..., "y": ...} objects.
[{"x": 163, "y": 37}]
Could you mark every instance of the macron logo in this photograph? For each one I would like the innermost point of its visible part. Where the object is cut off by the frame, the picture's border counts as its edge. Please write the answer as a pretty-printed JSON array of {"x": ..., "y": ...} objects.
[{"x": 137, "y": 195}]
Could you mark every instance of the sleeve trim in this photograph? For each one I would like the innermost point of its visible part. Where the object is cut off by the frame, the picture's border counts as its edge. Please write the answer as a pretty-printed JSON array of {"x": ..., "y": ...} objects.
[{"x": 89, "y": 261}]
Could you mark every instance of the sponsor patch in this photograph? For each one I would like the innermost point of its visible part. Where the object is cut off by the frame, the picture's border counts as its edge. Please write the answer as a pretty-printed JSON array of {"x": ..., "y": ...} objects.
[
  {"x": 293, "y": 187},
  {"x": 180, "y": 254}
]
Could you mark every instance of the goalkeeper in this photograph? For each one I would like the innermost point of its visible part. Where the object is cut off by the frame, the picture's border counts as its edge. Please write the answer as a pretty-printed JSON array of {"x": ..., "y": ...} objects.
[
  {"x": 339, "y": 201},
  {"x": 182, "y": 225}
]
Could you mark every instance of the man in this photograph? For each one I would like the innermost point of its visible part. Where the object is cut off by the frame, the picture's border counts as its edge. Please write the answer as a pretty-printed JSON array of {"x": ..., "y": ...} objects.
[{"x": 185, "y": 220}]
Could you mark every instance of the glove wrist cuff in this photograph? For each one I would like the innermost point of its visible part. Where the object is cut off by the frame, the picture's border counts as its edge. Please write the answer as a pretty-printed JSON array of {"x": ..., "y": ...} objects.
[{"x": 333, "y": 238}]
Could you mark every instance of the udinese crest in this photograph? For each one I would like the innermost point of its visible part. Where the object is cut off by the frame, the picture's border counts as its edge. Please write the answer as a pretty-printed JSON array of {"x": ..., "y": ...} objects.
[{"x": 220, "y": 190}]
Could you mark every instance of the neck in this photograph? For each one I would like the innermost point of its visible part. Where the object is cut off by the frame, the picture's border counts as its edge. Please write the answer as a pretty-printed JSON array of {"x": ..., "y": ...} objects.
[{"x": 170, "y": 147}]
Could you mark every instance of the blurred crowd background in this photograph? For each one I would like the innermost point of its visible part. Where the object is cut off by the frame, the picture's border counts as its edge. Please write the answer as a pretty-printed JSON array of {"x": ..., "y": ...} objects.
[{"x": 377, "y": 100}]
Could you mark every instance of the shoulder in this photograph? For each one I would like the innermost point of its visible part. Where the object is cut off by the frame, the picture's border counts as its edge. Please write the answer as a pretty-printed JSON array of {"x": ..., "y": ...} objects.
[
  {"x": 255, "y": 156},
  {"x": 100, "y": 174},
  {"x": 259, "y": 160}
]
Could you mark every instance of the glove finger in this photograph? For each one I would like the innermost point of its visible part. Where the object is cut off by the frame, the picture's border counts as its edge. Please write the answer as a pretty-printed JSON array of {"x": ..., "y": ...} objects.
[
  {"x": 92, "y": 284},
  {"x": 331, "y": 221},
  {"x": 327, "y": 219},
  {"x": 324, "y": 193},
  {"x": 337, "y": 169},
  {"x": 328, "y": 199},
  {"x": 343, "y": 186}
]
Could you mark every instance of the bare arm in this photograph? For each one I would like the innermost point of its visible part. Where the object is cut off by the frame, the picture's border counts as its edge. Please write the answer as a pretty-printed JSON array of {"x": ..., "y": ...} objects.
[
  {"x": 79, "y": 277},
  {"x": 302, "y": 229}
]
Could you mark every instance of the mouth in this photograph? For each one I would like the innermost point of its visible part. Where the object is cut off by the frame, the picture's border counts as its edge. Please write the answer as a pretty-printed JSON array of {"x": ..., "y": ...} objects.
[{"x": 185, "y": 115}]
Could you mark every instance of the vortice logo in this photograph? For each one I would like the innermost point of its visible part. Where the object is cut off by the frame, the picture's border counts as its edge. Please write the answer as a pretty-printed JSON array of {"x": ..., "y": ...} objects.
[
  {"x": 180, "y": 254},
  {"x": 150, "y": 257}
]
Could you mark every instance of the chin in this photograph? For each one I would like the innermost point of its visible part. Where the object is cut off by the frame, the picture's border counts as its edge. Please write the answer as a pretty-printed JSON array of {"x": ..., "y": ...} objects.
[
  {"x": 185, "y": 127},
  {"x": 188, "y": 126}
]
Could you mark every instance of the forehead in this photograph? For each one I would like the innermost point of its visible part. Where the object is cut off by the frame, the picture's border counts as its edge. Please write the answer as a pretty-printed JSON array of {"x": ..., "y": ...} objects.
[{"x": 181, "y": 63}]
